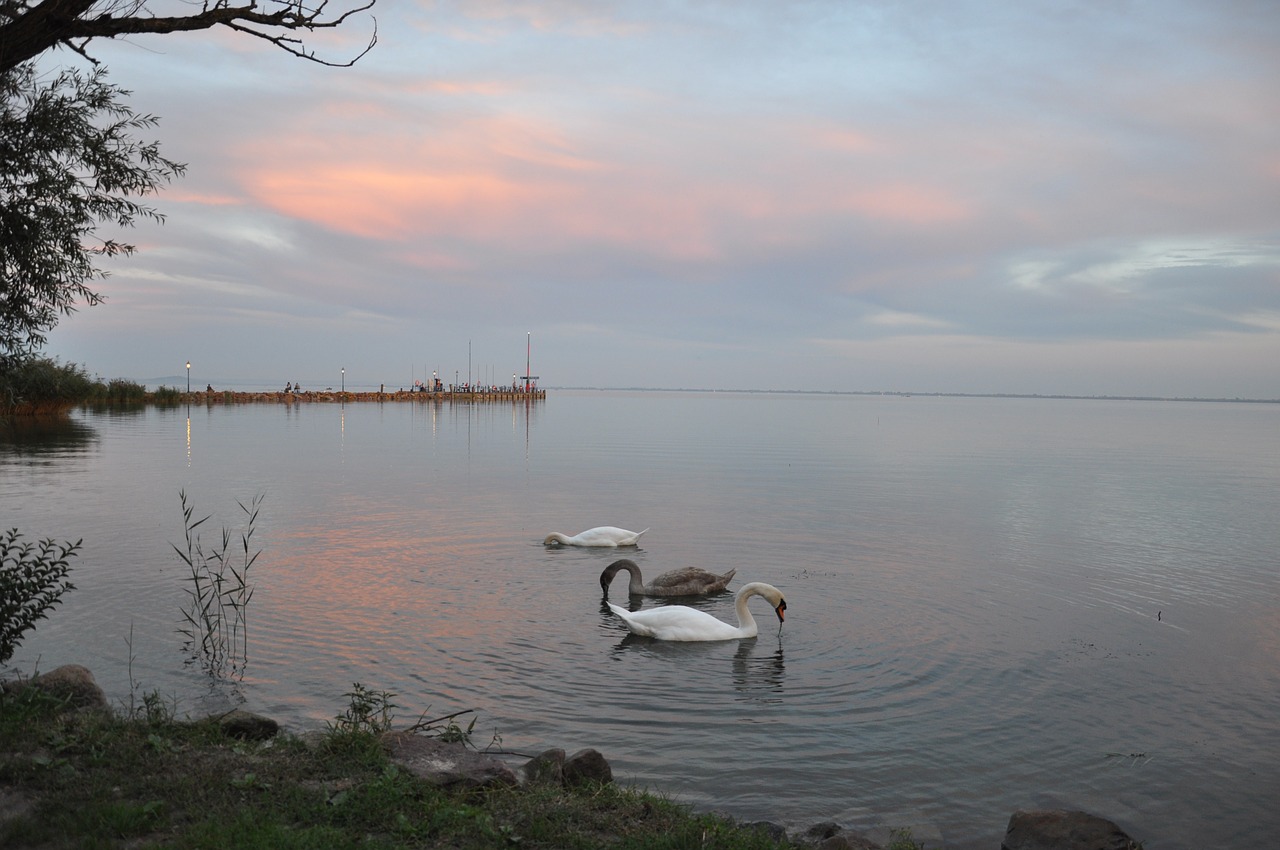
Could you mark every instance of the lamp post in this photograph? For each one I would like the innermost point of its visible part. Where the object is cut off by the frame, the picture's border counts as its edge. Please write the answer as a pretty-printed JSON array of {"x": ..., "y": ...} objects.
[
  {"x": 344, "y": 380},
  {"x": 188, "y": 377}
]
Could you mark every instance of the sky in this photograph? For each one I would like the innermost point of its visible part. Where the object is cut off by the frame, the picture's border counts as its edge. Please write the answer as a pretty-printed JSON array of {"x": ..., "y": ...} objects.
[{"x": 1077, "y": 198}]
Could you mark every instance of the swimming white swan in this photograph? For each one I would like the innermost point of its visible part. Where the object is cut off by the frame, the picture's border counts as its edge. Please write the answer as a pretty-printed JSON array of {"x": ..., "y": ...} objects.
[
  {"x": 605, "y": 535},
  {"x": 680, "y": 622},
  {"x": 687, "y": 581}
]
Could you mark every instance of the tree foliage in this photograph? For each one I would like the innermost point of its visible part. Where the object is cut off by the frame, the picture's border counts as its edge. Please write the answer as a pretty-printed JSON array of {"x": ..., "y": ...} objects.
[
  {"x": 32, "y": 580},
  {"x": 70, "y": 162},
  {"x": 68, "y": 158},
  {"x": 30, "y": 27}
]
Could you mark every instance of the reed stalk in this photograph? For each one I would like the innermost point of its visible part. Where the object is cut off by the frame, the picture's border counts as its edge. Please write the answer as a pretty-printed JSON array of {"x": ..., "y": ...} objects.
[{"x": 215, "y": 616}]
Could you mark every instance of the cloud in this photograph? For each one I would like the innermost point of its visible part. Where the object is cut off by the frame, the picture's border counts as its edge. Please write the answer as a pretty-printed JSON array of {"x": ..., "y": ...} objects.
[{"x": 956, "y": 196}]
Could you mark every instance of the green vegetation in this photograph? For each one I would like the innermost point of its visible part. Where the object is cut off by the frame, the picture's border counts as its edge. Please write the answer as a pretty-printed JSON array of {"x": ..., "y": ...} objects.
[
  {"x": 72, "y": 164},
  {"x": 123, "y": 392},
  {"x": 40, "y": 386},
  {"x": 167, "y": 396},
  {"x": 101, "y": 780},
  {"x": 901, "y": 840},
  {"x": 218, "y": 593},
  {"x": 32, "y": 580},
  {"x": 72, "y": 160}
]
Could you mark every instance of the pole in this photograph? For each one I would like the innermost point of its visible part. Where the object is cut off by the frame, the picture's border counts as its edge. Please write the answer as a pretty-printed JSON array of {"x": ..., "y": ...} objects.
[
  {"x": 528, "y": 348},
  {"x": 188, "y": 377}
]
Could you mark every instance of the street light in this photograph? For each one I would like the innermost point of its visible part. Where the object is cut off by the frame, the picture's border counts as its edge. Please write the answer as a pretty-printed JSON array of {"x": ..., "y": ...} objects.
[
  {"x": 188, "y": 377},
  {"x": 344, "y": 379}
]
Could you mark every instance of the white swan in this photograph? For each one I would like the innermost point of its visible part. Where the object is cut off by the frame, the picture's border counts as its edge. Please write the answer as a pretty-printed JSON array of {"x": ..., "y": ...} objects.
[
  {"x": 605, "y": 535},
  {"x": 687, "y": 581},
  {"x": 680, "y": 622}
]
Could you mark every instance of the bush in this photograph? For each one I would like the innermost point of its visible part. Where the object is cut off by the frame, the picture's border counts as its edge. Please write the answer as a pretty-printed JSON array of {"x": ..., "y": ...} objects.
[
  {"x": 167, "y": 396},
  {"x": 41, "y": 385},
  {"x": 122, "y": 391},
  {"x": 32, "y": 579}
]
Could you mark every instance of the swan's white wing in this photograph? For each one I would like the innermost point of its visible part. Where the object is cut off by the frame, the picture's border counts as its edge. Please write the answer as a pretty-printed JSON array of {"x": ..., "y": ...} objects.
[
  {"x": 677, "y": 622},
  {"x": 607, "y": 535}
]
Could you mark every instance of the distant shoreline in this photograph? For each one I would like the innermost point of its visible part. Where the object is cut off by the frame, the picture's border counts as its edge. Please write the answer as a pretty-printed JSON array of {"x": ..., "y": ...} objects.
[
  {"x": 906, "y": 394},
  {"x": 505, "y": 394}
]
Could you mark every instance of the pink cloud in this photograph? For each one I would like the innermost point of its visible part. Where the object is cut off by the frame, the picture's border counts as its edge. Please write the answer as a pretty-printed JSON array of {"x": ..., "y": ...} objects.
[
  {"x": 692, "y": 193},
  {"x": 917, "y": 205},
  {"x": 378, "y": 203},
  {"x": 201, "y": 198}
]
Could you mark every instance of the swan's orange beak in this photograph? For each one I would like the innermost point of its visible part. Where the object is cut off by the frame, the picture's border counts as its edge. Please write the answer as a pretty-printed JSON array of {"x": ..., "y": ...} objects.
[{"x": 782, "y": 606}]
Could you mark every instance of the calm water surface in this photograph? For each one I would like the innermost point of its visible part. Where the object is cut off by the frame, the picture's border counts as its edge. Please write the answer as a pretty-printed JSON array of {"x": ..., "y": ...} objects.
[{"x": 993, "y": 603}]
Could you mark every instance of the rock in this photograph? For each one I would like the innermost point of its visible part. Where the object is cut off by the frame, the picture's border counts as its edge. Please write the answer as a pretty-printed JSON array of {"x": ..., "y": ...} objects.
[
  {"x": 446, "y": 764},
  {"x": 70, "y": 682},
  {"x": 586, "y": 766},
  {"x": 547, "y": 767},
  {"x": 848, "y": 841},
  {"x": 1060, "y": 830},
  {"x": 314, "y": 739},
  {"x": 829, "y": 835},
  {"x": 822, "y": 831},
  {"x": 775, "y": 831},
  {"x": 248, "y": 726}
]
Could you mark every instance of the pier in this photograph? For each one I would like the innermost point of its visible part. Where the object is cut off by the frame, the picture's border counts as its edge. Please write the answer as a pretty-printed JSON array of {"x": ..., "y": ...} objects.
[{"x": 460, "y": 396}]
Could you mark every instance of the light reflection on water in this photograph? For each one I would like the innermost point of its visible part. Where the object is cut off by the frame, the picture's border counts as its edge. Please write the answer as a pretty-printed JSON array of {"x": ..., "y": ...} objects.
[{"x": 992, "y": 604}]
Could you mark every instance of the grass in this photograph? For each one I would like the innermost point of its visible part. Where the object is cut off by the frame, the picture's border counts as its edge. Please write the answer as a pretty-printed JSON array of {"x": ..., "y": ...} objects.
[{"x": 102, "y": 780}]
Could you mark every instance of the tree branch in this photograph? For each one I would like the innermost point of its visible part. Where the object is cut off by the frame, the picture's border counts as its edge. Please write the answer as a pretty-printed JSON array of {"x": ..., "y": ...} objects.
[{"x": 30, "y": 27}]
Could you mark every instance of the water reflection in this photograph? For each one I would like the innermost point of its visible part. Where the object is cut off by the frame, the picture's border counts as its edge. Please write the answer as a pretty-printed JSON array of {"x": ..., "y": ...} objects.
[
  {"x": 995, "y": 572},
  {"x": 758, "y": 674},
  {"x": 45, "y": 437},
  {"x": 757, "y": 670}
]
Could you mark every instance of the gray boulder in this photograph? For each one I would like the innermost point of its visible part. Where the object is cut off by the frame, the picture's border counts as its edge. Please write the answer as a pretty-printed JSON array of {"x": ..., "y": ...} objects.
[
  {"x": 829, "y": 835},
  {"x": 70, "y": 682},
  {"x": 848, "y": 841},
  {"x": 1060, "y": 830},
  {"x": 547, "y": 767},
  {"x": 446, "y": 764},
  {"x": 587, "y": 766},
  {"x": 821, "y": 831},
  {"x": 248, "y": 726}
]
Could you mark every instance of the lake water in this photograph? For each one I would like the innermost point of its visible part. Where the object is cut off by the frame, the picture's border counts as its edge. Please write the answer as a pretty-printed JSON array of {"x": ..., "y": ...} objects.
[{"x": 992, "y": 603}]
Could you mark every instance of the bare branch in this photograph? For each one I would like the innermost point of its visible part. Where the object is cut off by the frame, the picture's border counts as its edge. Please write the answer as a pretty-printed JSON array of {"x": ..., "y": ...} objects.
[{"x": 30, "y": 27}]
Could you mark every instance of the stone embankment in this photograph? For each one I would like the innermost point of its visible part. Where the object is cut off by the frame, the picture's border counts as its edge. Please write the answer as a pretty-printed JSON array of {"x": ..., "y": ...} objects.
[
  {"x": 453, "y": 765},
  {"x": 212, "y": 397}
]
